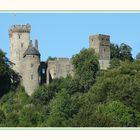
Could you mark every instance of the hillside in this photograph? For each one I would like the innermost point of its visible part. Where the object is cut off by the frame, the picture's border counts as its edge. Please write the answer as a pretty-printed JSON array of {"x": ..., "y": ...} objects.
[{"x": 91, "y": 98}]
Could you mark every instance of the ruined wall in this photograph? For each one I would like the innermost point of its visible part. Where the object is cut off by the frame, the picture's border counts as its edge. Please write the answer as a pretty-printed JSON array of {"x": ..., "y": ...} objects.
[{"x": 59, "y": 68}]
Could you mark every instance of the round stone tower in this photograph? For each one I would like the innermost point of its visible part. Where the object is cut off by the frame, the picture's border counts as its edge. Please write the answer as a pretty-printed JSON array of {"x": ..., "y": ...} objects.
[
  {"x": 31, "y": 63},
  {"x": 19, "y": 42}
]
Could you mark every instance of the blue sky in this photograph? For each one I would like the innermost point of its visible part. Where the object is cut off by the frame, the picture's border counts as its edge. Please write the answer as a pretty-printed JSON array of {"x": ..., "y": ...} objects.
[{"x": 65, "y": 34}]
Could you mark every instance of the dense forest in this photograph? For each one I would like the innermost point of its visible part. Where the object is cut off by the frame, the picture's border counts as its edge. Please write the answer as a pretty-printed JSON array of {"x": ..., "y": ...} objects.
[{"x": 91, "y": 98}]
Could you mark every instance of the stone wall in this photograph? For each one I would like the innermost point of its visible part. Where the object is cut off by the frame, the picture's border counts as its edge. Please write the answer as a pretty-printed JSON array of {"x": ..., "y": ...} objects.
[
  {"x": 31, "y": 73},
  {"x": 29, "y": 66},
  {"x": 101, "y": 44},
  {"x": 19, "y": 42},
  {"x": 59, "y": 68}
]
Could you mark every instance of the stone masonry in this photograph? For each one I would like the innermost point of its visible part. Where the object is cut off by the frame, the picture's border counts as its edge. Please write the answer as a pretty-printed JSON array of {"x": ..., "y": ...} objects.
[
  {"x": 101, "y": 44},
  {"x": 60, "y": 67},
  {"x": 26, "y": 58},
  {"x": 19, "y": 42}
]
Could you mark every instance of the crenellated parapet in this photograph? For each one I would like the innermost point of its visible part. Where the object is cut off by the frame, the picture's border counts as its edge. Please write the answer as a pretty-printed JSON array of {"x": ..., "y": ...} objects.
[
  {"x": 20, "y": 29},
  {"x": 63, "y": 59}
]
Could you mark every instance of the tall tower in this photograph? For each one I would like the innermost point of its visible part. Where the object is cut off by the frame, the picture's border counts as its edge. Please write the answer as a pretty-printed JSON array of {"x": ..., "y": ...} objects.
[
  {"x": 101, "y": 44},
  {"x": 19, "y": 42},
  {"x": 31, "y": 63}
]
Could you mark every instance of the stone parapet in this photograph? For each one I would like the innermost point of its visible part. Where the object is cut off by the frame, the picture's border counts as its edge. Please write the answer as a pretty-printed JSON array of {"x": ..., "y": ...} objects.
[{"x": 20, "y": 29}]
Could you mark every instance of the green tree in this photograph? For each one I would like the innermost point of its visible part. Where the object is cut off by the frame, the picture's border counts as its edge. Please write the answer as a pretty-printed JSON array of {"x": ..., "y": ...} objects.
[
  {"x": 114, "y": 88},
  {"x": 120, "y": 84},
  {"x": 12, "y": 119},
  {"x": 138, "y": 56},
  {"x": 51, "y": 58},
  {"x": 122, "y": 52},
  {"x": 2, "y": 118},
  {"x": 5, "y": 80},
  {"x": 85, "y": 67},
  {"x": 114, "y": 51},
  {"x": 125, "y": 52},
  {"x": 113, "y": 114},
  {"x": 45, "y": 92},
  {"x": 70, "y": 84},
  {"x": 62, "y": 109},
  {"x": 114, "y": 63},
  {"x": 117, "y": 113},
  {"x": 11, "y": 104},
  {"x": 8, "y": 78},
  {"x": 30, "y": 116},
  {"x": 42, "y": 95}
]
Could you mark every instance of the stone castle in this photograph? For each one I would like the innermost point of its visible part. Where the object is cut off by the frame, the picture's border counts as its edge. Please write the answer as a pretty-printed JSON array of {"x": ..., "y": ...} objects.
[{"x": 26, "y": 58}]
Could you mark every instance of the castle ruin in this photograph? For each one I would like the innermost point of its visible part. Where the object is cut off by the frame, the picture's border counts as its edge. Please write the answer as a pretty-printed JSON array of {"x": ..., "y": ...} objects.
[
  {"x": 26, "y": 58},
  {"x": 101, "y": 44}
]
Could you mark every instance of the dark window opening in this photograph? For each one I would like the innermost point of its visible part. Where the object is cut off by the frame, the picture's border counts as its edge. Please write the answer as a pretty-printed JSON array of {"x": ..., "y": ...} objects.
[
  {"x": 32, "y": 65},
  {"x": 21, "y": 45},
  {"x": 32, "y": 77},
  {"x": 19, "y": 36}
]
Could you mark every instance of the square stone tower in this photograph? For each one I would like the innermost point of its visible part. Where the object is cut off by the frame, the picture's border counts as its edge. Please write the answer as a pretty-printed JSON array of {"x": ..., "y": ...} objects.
[
  {"x": 19, "y": 42},
  {"x": 101, "y": 44}
]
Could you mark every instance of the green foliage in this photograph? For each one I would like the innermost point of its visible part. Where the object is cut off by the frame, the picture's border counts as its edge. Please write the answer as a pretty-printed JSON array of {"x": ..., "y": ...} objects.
[
  {"x": 46, "y": 92},
  {"x": 112, "y": 114},
  {"x": 113, "y": 100},
  {"x": 117, "y": 113},
  {"x": 2, "y": 118},
  {"x": 125, "y": 52},
  {"x": 138, "y": 56},
  {"x": 9, "y": 80},
  {"x": 62, "y": 108},
  {"x": 70, "y": 84},
  {"x": 114, "y": 63},
  {"x": 11, "y": 104},
  {"x": 30, "y": 116},
  {"x": 12, "y": 119},
  {"x": 42, "y": 95},
  {"x": 90, "y": 98},
  {"x": 122, "y": 52},
  {"x": 4, "y": 74},
  {"x": 85, "y": 67},
  {"x": 114, "y": 51},
  {"x": 120, "y": 84},
  {"x": 51, "y": 58}
]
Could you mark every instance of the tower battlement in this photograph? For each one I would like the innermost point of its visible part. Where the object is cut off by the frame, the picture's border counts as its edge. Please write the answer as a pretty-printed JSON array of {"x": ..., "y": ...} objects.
[
  {"x": 20, "y": 29},
  {"x": 63, "y": 59},
  {"x": 99, "y": 40}
]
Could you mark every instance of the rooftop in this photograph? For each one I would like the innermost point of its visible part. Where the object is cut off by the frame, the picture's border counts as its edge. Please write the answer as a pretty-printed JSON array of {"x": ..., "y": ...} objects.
[{"x": 31, "y": 51}]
